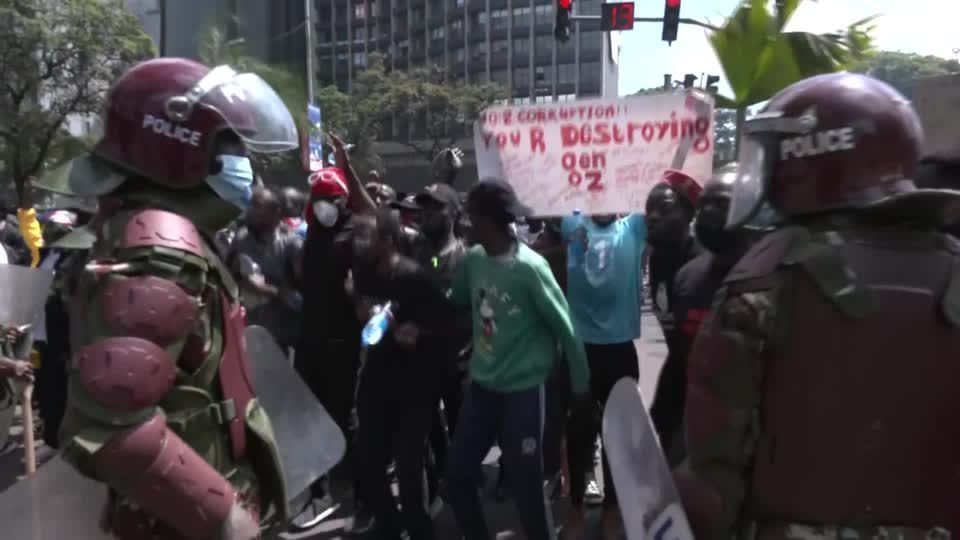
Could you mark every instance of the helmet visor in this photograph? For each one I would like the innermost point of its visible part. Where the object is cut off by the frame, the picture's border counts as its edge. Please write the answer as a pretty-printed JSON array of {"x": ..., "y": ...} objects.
[
  {"x": 251, "y": 108},
  {"x": 748, "y": 185}
]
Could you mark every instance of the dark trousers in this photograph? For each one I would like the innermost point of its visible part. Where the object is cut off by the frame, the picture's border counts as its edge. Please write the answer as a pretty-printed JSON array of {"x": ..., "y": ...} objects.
[
  {"x": 666, "y": 412},
  {"x": 444, "y": 423},
  {"x": 329, "y": 368},
  {"x": 608, "y": 364},
  {"x": 517, "y": 420},
  {"x": 395, "y": 413}
]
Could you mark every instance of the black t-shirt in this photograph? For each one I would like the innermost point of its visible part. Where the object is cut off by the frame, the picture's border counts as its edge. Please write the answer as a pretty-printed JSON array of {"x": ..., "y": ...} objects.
[
  {"x": 664, "y": 265},
  {"x": 416, "y": 298},
  {"x": 327, "y": 308},
  {"x": 694, "y": 288}
]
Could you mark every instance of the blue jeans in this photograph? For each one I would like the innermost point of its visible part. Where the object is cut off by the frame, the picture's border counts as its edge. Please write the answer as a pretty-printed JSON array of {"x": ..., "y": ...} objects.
[{"x": 517, "y": 420}]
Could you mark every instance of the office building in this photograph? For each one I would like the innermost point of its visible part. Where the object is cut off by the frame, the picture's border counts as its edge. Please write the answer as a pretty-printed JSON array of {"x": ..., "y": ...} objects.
[{"x": 507, "y": 41}]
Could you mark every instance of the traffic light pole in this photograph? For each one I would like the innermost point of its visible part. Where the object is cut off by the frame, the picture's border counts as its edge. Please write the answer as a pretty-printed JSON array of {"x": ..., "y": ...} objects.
[{"x": 693, "y": 22}]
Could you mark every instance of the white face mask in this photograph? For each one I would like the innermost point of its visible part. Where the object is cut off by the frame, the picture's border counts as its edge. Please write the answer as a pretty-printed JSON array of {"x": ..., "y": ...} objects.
[{"x": 326, "y": 213}]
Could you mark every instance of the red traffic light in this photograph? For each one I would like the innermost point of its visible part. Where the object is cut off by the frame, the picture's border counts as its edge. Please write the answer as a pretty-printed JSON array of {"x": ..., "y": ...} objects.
[
  {"x": 673, "y": 3},
  {"x": 565, "y": 4}
]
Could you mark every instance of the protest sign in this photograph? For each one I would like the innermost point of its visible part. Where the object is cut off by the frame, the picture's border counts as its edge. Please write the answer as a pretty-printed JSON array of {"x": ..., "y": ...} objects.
[{"x": 600, "y": 156}]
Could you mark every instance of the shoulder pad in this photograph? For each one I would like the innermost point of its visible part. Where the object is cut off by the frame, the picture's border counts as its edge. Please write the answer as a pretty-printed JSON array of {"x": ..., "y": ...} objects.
[
  {"x": 767, "y": 254},
  {"x": 159, "y": 228}
]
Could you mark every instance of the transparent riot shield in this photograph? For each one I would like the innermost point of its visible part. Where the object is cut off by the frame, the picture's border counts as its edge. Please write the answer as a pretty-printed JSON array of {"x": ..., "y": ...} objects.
[
  {"x": 53, "y": 504},
  {"x": 57, "y": 503},
  {"x": 310, "y": 441},
  {"x": 648, "y": 498},
  {"x": 23, "y": 293}
]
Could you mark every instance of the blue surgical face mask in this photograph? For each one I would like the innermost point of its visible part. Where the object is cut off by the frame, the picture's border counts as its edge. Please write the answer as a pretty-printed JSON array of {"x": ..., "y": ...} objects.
[{"x": 234, "y": 182}]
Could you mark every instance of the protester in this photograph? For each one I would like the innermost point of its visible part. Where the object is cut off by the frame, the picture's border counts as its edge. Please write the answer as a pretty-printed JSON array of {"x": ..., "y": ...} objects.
[
  {"x": 294, "y": 202},
  {"x": 401, "y": 376},
  {"x": 791, "y": 428},
  {"x": 15, "y": 369},
  {"x": 697, "y": 282},
  {"x": 328, "y": 352},
  {"x": 519, "y": 318},
  {"x": 603, "y": 288},
  {"x": 266, "y": 256},
  {"x": 381, "y": 193},
  {"x": 447, "y": 165},
  {"x": 670, "y": 209}
]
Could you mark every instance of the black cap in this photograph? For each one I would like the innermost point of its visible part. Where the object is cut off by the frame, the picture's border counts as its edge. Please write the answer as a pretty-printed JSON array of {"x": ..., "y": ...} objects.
[
  {"x": 439, "y": 193},
  {"x": 495, "y": 198}
]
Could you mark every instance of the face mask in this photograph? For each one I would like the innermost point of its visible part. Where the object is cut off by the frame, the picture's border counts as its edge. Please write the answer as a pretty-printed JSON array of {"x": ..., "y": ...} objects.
[
  {"x": 326, "y": 213},
  {"x": 234, "y": 182}
]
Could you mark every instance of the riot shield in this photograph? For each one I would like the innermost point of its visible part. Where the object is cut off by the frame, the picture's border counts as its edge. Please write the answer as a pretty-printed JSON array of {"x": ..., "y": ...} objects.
[
  {"x": 52, "y": 504},
  {"x": 310, "y": 441},
  {"x": 57, "y": 502},
  {"x": 23, "y": 293},
  {"x": 648, "y": 498}
]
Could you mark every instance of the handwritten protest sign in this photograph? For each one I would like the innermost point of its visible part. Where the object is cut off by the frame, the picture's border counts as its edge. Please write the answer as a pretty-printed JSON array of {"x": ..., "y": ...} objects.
[{"x": 600, "y": 156}]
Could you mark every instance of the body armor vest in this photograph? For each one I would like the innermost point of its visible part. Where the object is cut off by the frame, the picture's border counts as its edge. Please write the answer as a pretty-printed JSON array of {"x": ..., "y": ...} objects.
[{"x": 861, "y": 384}]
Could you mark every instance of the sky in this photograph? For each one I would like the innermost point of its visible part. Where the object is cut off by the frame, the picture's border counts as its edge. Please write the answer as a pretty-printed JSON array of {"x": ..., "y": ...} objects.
[{"x": 920, "y": 26}]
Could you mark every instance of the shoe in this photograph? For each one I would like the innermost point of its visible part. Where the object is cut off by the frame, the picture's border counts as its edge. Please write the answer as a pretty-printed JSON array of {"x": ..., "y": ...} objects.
[
  {"x": 612, "y": 524},
  {"x": 362, "y": 523},
  {"x": 593, "y": 495},
  {"x": 314, "y": 512}
]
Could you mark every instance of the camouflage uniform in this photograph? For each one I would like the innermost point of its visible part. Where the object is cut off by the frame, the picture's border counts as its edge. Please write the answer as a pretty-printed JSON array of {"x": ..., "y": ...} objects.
[
  {"x": 799, "y": 434},
  {"x": 179, "y": 295}
]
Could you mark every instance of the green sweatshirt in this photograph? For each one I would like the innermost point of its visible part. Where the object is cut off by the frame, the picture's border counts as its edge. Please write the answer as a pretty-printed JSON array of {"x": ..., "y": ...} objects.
[{"x": 519, "y": 317}]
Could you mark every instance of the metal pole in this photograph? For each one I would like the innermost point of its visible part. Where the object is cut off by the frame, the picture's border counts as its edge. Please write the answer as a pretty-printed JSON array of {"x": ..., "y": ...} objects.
[
  {"x": 308, "y": 6},
  {"x": 694, "y": 22}
]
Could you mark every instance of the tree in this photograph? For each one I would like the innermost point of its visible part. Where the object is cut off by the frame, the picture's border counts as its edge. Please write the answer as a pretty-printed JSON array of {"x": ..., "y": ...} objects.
[
  {"x": 446, "y": 109},
  {"x": 900, "y": 69},
  {"x": 759, "y": 58},
  {"x": 58, "y": 59}
]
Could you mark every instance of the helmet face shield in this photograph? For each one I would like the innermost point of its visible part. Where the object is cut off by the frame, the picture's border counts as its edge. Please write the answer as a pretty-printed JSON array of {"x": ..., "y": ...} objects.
[
  {"x": 759, "y": 145},
  {"x": 747, "y": 194},
  {"x": 247, "y": 104}
]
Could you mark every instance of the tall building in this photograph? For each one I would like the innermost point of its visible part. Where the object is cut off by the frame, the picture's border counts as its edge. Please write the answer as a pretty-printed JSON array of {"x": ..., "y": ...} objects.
[{"x": 507, "y": 41}]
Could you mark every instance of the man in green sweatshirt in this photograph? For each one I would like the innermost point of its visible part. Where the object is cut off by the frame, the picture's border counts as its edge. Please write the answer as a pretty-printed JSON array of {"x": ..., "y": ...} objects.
[{"x": 519, "y": 317}]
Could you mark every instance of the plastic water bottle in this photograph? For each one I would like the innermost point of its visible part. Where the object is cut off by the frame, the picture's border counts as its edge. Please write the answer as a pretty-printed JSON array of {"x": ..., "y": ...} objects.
[
  {"x": 376, "y": 327},
  {"x": 576, "y": 250}
]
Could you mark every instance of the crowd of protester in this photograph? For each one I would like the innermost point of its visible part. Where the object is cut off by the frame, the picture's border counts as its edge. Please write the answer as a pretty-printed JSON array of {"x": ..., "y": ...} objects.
[{"x": 506, "y": 329}]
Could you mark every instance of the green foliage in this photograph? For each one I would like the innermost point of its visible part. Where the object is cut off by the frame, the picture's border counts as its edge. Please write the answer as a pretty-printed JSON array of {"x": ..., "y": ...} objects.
[
  {"x": 57, "y": 59},
  {"x": 759, "y": 59},
  {"x": 445, "y": 108},
  {"x": 900, "y": 69}
]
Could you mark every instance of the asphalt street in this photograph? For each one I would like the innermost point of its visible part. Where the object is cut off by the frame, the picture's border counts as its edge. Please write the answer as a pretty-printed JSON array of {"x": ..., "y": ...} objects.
[{"x": 651, "y": 352}]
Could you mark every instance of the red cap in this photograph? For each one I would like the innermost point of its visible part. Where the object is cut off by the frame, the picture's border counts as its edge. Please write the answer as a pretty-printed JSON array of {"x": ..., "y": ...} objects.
[
  {"x": 684, "y": 184},
  {"x": 328, "y": 183}
]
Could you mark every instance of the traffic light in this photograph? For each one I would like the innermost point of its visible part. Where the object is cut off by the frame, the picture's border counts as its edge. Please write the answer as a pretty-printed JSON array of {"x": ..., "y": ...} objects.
[
  {"x": 688, "y": 80},
  {"x": 712, "y": 81},
  {"x": 561, "y": 29},
  {"x": 671, "y": 20}
]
